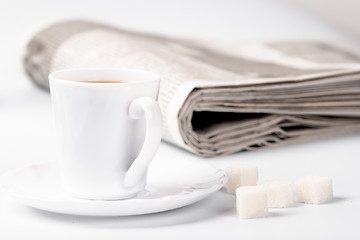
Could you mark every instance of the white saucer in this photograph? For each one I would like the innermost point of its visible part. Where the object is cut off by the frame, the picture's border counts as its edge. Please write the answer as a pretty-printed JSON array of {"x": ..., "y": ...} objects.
[{"x": 171, "y": 185}]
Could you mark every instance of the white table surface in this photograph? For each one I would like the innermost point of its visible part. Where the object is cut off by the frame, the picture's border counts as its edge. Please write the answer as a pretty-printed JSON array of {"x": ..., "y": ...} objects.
[{"x": 27, "y": 136}]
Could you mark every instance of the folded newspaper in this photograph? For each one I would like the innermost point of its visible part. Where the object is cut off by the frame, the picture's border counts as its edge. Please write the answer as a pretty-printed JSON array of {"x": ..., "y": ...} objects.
[{"x": 217, "y": 99}]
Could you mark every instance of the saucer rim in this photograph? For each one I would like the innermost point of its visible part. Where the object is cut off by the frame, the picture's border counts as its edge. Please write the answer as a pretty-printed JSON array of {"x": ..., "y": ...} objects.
[{"x": 182, "y": 199}]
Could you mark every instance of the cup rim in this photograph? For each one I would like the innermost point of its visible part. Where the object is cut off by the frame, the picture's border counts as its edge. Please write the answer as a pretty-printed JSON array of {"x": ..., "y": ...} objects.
[{"x": 148, "y": 76}]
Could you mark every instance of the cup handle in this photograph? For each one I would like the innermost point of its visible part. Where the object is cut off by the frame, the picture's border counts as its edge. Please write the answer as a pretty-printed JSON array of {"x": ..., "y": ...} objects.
[{"x": 149, "y": 108}]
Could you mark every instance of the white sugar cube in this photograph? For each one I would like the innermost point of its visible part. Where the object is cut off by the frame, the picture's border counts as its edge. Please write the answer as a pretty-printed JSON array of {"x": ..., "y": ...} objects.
[
  {"x": 241, "y": 175},
  {"x": 279, "y": 193},
  {"x": 251, "y": 202},
  {"x": 314, "y": 189}
]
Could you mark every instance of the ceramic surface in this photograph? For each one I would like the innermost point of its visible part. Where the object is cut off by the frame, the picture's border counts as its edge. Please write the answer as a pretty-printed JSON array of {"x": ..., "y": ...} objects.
[
  {"x": 171, "y": 185},
  {"x": 108, "y": 133}
]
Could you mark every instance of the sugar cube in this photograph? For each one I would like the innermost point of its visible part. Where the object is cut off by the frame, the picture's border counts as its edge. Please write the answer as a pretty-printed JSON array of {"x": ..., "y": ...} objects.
[
  {"x": 279, "y": 193},
  {"x": 241, "y": 175},
  {"x": 251, "y": 202},
  {"x": 314, "y": 189}
]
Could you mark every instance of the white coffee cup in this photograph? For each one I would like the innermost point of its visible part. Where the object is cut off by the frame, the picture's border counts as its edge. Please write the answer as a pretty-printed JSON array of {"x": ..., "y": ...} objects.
[{"x": 108, "y": 132}]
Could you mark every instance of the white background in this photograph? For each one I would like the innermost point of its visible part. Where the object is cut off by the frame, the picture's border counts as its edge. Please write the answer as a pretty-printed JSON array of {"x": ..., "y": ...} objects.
[{"x": 26, "y": 131}]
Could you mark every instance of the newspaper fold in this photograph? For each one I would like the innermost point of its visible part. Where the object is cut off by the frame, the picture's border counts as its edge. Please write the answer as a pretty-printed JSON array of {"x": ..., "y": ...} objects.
[{"x": 216, "y": 99}]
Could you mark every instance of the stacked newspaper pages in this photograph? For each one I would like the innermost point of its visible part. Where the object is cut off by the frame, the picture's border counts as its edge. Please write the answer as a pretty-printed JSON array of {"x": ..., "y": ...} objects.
[{"x": 218, "y": 99}]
